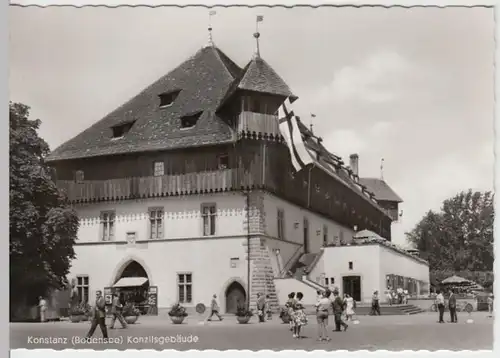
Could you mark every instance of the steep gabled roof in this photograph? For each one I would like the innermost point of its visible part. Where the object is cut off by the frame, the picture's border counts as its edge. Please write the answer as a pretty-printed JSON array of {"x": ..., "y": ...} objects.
[
  {"x": 260, "y": 77},
  {"x": 202, "y": 81},
  {"x": 381, "y": 190}
]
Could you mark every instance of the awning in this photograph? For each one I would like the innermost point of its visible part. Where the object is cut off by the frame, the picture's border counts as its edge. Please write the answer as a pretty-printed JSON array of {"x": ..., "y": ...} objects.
[{"x": 131, "y": 282}]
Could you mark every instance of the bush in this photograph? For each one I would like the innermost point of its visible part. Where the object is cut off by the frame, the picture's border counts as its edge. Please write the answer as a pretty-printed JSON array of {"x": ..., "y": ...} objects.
[
  {"x": 130, "y": 310},
  {"x": 243, "y": 311},
  {"x": 177, "y": 311}
]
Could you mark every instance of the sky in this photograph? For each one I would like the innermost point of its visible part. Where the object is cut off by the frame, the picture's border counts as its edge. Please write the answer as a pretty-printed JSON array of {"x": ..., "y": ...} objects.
[{"x": 412, "y": 86}]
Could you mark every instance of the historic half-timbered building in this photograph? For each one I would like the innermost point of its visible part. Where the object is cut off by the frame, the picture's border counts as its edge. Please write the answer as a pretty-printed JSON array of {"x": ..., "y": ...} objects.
[{"x": 188, "y": 190}]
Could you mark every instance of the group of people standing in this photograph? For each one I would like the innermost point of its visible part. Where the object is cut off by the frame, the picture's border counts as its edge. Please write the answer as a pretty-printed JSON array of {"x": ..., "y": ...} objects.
[
  {"x": 296, "y": 312},
  {"x": 452, "y": 306},
  {"x": 399, "y": 296}
]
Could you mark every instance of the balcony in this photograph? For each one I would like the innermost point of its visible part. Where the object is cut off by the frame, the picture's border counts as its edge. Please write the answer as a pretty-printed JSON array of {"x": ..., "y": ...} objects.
[
  {"x": 152, "y": 186},
  {"x": 258, "y": 123}
]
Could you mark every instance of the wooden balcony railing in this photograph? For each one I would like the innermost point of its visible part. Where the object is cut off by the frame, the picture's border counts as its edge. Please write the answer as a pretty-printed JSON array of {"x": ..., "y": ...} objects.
[
  {"x": 264, "y": 124},
  {"x": 153, "y": 186}
]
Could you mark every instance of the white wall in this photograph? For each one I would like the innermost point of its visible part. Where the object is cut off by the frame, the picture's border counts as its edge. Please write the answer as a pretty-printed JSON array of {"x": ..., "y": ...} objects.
[
  {"x": 392, "y": 262},
  {"x": 182, "y": 217},
  {"x": 366, "y": 264},
  {"x": 207, "y": 259},
  {"x": 295, "y": 214}
]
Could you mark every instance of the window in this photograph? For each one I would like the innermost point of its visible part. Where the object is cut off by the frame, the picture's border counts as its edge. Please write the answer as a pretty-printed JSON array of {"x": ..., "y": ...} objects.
[
  {"x": 158, "y": 169},
  {"x": 332, "y": 280},
  {"x": 281, "y": 224},
  {"x": 79, "y": 176},
  {"x": 107, "y": 225},
  {"x": 306, "y": 236},
  {"x": 185, "y": 285},
  {"x": 189, "y": 120},
  {"x": 223, "y": 161},
  {"x": 350, "y": 265},
  {"x": 208, "y": 214},
  {"x": 155, "y": 223},
  {"x": 326, "y": 281},
  {"x": 121, "y": 129},
  {"x": 82, "y": 286},
  {"x": 168, "y": 98},
  {"x": 325, "y": 235}
]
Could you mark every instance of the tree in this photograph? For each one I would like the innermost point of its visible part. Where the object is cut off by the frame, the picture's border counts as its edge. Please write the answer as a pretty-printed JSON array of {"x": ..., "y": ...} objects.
[
  {"x": 460, "y": 236},
  {"x": 43, "y": 226}
]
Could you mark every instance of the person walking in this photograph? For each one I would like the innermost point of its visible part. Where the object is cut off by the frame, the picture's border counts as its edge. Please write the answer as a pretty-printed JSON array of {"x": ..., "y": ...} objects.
[
  {"x": 490, "y": 304},
  {"x": 440, "y": 305},
  {"x": 452, "y": 306},
  {"x": 99, "y": 317},
  {"x": 322, "y": 307},
  {"x": 375, "y": 311},
  {"x": 116, "y": 311},
  {"x": 338, "y": 309},
  {"x": 42, "y": 304},
  {"x": 268, "y": 308},
  {"x": 349, "y": 310},
  {"x": 214, "y": 309},
  {"x": 261, "y": 307}
]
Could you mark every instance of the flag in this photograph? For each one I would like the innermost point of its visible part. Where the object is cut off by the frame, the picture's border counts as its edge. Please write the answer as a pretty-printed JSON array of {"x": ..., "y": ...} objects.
[
  {"x": 212, "y": 13},
  {"x": 290, "y": 130},
  {"x": 260, "y": 18}
]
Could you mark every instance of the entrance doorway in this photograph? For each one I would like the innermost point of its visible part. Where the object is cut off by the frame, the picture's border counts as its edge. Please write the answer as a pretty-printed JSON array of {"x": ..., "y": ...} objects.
[
  {"x": 133, "y": 287},
  {"x": 352, "y": 286},
  {"x": 235, "y": 293}
]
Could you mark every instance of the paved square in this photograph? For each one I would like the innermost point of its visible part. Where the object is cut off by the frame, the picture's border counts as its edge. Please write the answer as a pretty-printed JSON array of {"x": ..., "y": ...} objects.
[{"x": 415, "y": 332}]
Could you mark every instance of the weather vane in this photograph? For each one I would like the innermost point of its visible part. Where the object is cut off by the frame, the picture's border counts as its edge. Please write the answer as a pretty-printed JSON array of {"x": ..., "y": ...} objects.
[
  {"x": 311, "y": 122},
  {"x": 260, "y": 18},
  {"x": 382, "y": 169},
  {"x": 210, "y": 14}
]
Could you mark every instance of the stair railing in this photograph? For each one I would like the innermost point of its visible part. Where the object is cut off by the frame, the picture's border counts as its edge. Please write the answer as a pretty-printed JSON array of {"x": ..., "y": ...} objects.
[{"x": 290, "y": 262}]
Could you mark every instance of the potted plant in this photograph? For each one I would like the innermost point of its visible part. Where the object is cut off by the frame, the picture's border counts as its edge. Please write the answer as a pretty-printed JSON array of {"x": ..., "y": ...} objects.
[
  {"x": 130, "y": 313},
  {"x": 243, "y": 314},
  {"x": 177, "y": 313},
  {"x": 285, "y": 315},
  {"x": 87, "y": 311},
  {"x": 76, "y": 314}
]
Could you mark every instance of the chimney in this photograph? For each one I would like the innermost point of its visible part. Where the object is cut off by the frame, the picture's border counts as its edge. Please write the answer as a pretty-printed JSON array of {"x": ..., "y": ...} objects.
[{"x": 353, "y": 163}]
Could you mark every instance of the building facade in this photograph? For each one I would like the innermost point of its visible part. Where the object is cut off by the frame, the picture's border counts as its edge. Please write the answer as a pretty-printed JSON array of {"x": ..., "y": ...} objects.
[{"x": 190, "y": 189}]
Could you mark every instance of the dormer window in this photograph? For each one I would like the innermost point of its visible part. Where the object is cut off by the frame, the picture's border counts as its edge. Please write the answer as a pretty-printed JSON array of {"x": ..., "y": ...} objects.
[
  {"x": 121, "y": 129},
  {"x": 168, "y": 98},
  {"x": 189, "y": 120},
  {"x": 223, "y": 161}
]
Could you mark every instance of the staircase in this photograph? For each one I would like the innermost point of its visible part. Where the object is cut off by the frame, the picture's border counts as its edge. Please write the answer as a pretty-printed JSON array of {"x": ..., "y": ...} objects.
[{"x": 387, "y": 310}]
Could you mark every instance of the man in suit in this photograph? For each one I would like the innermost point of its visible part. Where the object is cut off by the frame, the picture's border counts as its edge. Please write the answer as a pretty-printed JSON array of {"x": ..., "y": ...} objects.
[
  {"x": 116, "y": 311},
  {"x": 452, "y": 306},
  {"x": 338, "y": 305},
  {"x": 99, "y": 318}
]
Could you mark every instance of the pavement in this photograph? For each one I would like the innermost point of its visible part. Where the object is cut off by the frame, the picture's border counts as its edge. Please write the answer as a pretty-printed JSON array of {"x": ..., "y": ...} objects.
[{"x": 408, "y": 332}]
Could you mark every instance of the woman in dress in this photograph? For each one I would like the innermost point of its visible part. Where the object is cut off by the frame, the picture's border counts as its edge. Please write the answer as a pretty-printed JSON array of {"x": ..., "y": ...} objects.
[
  {"x": 290, "y": 304},
  {"x": 349, "y": 311},
  {"x": 299, "y": 316}
]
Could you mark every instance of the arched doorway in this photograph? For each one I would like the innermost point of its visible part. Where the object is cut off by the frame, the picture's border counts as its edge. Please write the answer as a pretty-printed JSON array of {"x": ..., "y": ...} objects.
[
  {"x": 234, "y": 293},
  {"x": 133, "y": 285},
  {"x": 133, "y": 269}
]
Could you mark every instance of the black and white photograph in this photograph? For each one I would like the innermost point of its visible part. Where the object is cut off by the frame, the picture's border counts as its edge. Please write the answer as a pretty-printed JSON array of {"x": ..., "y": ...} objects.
[{"x": 251, "y": 178}]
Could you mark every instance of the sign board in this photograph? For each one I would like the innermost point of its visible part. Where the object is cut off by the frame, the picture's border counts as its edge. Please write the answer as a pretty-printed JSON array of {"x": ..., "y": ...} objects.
[
  {"x": 108, "y": 295},
  {"x": 153, "y": 300}
]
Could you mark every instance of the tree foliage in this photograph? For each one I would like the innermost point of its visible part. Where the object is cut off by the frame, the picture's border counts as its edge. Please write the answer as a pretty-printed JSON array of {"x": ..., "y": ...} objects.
[
  {"x": 460, "y": 236},
  {"x": 43, "y": 226}
]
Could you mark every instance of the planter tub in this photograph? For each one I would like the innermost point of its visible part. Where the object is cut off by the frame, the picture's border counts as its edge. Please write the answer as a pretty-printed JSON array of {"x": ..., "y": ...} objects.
[
  {"x": 131, "y": 319},
  {"x": 76, "y": 318},
  {"x": 243, "y": 320},
  {"x": 177, "y": 319}
]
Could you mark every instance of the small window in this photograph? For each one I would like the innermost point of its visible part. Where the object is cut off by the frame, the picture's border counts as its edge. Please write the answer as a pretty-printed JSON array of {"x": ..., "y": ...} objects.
[
  {"x": 155, "y": 223},
  {"x": 82, "y": 286},
  {"x": 306, "y": 236},
  {"x": 185, "y": 287},
  {"x": 121, "y": 129},
  {"x": 325, "y": 235},
  {"x": 350, "y": 265},
  {"x": 332, "y": 280},
  {"x": 281, "y": 224},
  {"x": 326, "y": 281},
  {"x": 168, "y": 98},
  {"x": 223, "y": 161},
  {"x": 235, "y": 262},
  {"x": 190, "y": 120},
  {"x": 158, "y": 169},
  {"x": 107, "y": 225},
  {"x": 79, "y": 176},
  {"x": 209, "y": 215}
]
